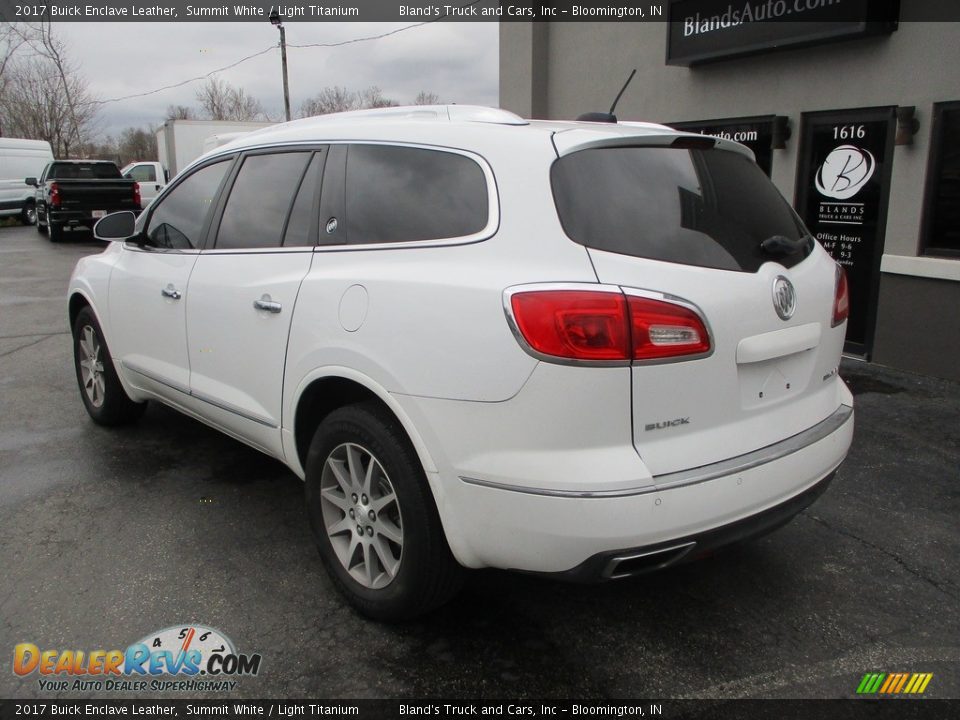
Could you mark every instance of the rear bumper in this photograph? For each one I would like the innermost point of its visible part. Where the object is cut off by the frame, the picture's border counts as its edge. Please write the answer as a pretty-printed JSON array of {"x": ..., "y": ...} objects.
[
  {"x": 618, "y": 564},
  {"x": 687, "y": 514},
  {"x": 78, "y": 217}
]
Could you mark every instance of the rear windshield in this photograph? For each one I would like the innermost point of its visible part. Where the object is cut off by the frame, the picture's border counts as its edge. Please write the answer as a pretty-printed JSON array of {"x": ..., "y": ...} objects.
[
  {"x": 710, "y": 208},
  {"x": 96, "y": 171}
]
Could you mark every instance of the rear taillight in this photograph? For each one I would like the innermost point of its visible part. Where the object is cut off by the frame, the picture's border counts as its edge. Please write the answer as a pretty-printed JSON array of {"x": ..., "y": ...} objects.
[
  {"x": 841, "y": 298},
  {"x": 606, "y": 325},
  {"x": 575, "y": 324},
  {"x": 54, "y": 195},
  {"x": 664, "y": 330},
  {"x": 136, "y": 194}
]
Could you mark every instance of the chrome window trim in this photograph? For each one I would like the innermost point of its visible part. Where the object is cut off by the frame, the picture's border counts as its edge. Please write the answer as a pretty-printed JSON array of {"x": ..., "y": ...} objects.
[
  {"x": 694, "y": 476},
  {"x": 493, "y": 196}
]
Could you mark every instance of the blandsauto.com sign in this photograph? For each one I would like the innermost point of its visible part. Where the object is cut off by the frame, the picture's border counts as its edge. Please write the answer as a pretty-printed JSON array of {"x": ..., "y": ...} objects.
[{"x": 708, "y": 30}]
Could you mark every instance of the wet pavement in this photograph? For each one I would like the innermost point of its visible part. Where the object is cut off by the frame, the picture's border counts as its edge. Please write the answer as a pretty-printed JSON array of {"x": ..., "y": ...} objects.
[{"x": 107, "y": 536}]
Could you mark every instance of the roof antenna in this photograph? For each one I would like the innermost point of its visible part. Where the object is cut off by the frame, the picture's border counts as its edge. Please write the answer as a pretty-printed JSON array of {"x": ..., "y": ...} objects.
[{"x": 608, "y": 117}]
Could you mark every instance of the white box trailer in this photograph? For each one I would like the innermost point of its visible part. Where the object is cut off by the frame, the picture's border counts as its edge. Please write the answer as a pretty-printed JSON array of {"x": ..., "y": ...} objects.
[{"x": 180, "y": 142}]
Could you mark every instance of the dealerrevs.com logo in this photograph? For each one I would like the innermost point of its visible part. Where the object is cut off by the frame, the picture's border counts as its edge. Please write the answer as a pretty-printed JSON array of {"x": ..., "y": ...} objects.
[{"x": 184, "y": 658}]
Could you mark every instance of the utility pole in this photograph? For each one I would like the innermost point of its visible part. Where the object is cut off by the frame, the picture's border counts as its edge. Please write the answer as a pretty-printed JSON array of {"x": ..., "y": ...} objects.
[{"x": 275, "y": 20}]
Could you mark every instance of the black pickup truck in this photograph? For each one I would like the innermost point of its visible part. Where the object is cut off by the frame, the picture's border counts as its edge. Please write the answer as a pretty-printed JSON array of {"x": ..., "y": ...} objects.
[{"x": 80, "y": 192}]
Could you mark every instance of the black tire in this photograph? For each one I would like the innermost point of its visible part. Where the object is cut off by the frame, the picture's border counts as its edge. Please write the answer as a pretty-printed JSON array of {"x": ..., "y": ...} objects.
[
  {"x": 427, "y": 575},
  {"x": 42, "y": 229},
  {"x": 109, "y": 405},
  {"x": 28, "y": 216},
  {"x": 55, "y": 232}
]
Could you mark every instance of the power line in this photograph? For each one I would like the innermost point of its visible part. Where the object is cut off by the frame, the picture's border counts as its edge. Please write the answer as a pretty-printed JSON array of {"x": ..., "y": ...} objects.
[
  {"x": 186, "y": 82},
  {"x": 273, "y": 47},
  {"x": 386, "y": 34}
]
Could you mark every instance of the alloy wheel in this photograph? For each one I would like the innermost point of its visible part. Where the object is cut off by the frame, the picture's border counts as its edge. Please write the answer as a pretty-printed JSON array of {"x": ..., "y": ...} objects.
[
  {"x": 361, "y": 515},
  {"x": 91, "y": 366}
]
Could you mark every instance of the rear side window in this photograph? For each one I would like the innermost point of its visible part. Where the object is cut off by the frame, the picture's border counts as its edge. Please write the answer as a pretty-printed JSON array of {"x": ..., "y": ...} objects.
[
  {"x": 261, "y": 197},
  {"x": 178, "y": 220},
  {"x": 401, "y": 194},
  {"x": 710, "y": 208}
]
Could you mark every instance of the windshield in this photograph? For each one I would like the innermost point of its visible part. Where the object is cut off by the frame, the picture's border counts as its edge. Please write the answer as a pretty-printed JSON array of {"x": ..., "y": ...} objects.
[{"x": 710, "y": 208}]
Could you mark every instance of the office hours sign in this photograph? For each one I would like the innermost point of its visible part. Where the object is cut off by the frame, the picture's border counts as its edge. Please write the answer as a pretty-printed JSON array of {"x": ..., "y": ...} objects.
[{"x": 843, "y": 186}]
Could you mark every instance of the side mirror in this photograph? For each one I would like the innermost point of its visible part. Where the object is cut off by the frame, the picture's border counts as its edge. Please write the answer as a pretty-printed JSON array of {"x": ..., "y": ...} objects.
[
  {"x": 31, "y": 181},
  {"x": 115, "y": 226}
]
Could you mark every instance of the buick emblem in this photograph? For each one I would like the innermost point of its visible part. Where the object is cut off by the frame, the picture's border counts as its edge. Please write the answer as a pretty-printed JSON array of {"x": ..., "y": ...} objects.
[{"x": 784, "y": 297}]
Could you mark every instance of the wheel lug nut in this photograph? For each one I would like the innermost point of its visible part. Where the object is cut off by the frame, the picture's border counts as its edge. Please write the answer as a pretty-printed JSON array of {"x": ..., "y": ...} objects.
[
  {"x": 359, "y": 530},
  {"x": 352, "y": 514},
  {"x": 372, "y": 515},
  {"x": 354, "y": 497},
  {"x": 369, "y": 531},
  {"x": 363, "y": 499}
]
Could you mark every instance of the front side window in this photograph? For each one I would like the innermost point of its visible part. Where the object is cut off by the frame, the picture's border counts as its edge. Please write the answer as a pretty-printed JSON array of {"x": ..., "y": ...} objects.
[
  {"x": 942, "y": 226},
  {"x": 259, "y": 201},
  {"x": 403, "y": 194},
  {"x": 177, "y": 221}
]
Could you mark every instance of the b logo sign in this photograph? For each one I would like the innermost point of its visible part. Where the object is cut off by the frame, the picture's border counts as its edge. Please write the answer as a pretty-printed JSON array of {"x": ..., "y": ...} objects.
[{"x": 845, "y": 171}]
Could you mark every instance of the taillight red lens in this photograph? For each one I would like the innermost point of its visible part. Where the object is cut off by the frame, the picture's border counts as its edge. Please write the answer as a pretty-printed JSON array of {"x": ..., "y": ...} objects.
[
  {"x": 841, "y": 298},
  {"x": 662, "y": 329},
  {"x": 576, "y": 324},
  {"x": 136, "y": 194},
  {"x": 607, "y": 326},
  {"x": 54, "y": 195}
]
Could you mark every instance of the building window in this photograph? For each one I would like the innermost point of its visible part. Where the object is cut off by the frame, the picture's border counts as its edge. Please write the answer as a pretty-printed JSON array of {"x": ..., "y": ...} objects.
[{"x": 941, "y": 235}]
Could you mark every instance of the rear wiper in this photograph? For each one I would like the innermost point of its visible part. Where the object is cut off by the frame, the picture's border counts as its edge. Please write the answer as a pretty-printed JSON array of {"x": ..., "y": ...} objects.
[{"x": 782, "y": 245}]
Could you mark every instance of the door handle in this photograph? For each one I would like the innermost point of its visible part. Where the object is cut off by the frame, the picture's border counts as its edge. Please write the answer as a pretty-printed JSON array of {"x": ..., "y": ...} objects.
[
  {"x": 171, "y": 292},
  {"x": 267, "y": 304}
]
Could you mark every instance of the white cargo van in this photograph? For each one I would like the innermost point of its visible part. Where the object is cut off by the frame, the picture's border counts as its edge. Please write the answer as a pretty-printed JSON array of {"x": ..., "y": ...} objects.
[{"x": 20, "y": 159}]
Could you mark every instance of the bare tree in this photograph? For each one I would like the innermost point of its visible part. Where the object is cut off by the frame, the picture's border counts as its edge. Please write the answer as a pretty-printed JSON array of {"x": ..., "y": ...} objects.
[
  {"x": 137, "y": 144},
  {"x": 219, "y": 100},
  {"x": 42, "y": 93},
  {"x": 329, "y": 100},
  {"x": 105, "y": 149},
  {"x": 373, "y": 97},
  {"x": 340, "y": 99},
  {"x": 426, "y": 98},
  {"x": 180, "y": 112},
  {"x": 214, "y": 98},
  {"x": 33, "y": 105}
]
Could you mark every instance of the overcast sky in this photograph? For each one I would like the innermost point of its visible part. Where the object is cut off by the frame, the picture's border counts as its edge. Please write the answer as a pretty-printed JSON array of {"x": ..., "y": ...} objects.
[{"x": 457, "y": 61}]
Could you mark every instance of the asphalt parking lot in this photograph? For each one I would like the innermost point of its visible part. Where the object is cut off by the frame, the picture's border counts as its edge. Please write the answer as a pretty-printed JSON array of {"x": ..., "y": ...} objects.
[{"x": 106, "y": 536}]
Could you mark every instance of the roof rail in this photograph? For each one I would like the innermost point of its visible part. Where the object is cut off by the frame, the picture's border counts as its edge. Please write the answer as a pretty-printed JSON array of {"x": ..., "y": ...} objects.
[{"x": 442, "y": 113}]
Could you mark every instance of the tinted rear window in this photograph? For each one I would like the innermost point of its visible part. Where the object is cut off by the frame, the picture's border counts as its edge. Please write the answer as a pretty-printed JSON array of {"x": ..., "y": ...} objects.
[
  {"x": 90, "y": 171},
  {"x": 710, "y": 208}
]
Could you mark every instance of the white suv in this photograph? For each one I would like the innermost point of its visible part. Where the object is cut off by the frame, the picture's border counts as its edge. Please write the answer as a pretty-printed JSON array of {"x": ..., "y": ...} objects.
[{"x": 583, "y": 349}]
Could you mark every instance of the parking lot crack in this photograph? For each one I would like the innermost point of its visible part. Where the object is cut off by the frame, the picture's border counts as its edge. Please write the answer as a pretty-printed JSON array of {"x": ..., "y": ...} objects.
[
  {"x": 32, "y": 335},
  {"x": 29, "y": 344},
  {"x": 893, "y": 556}
]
